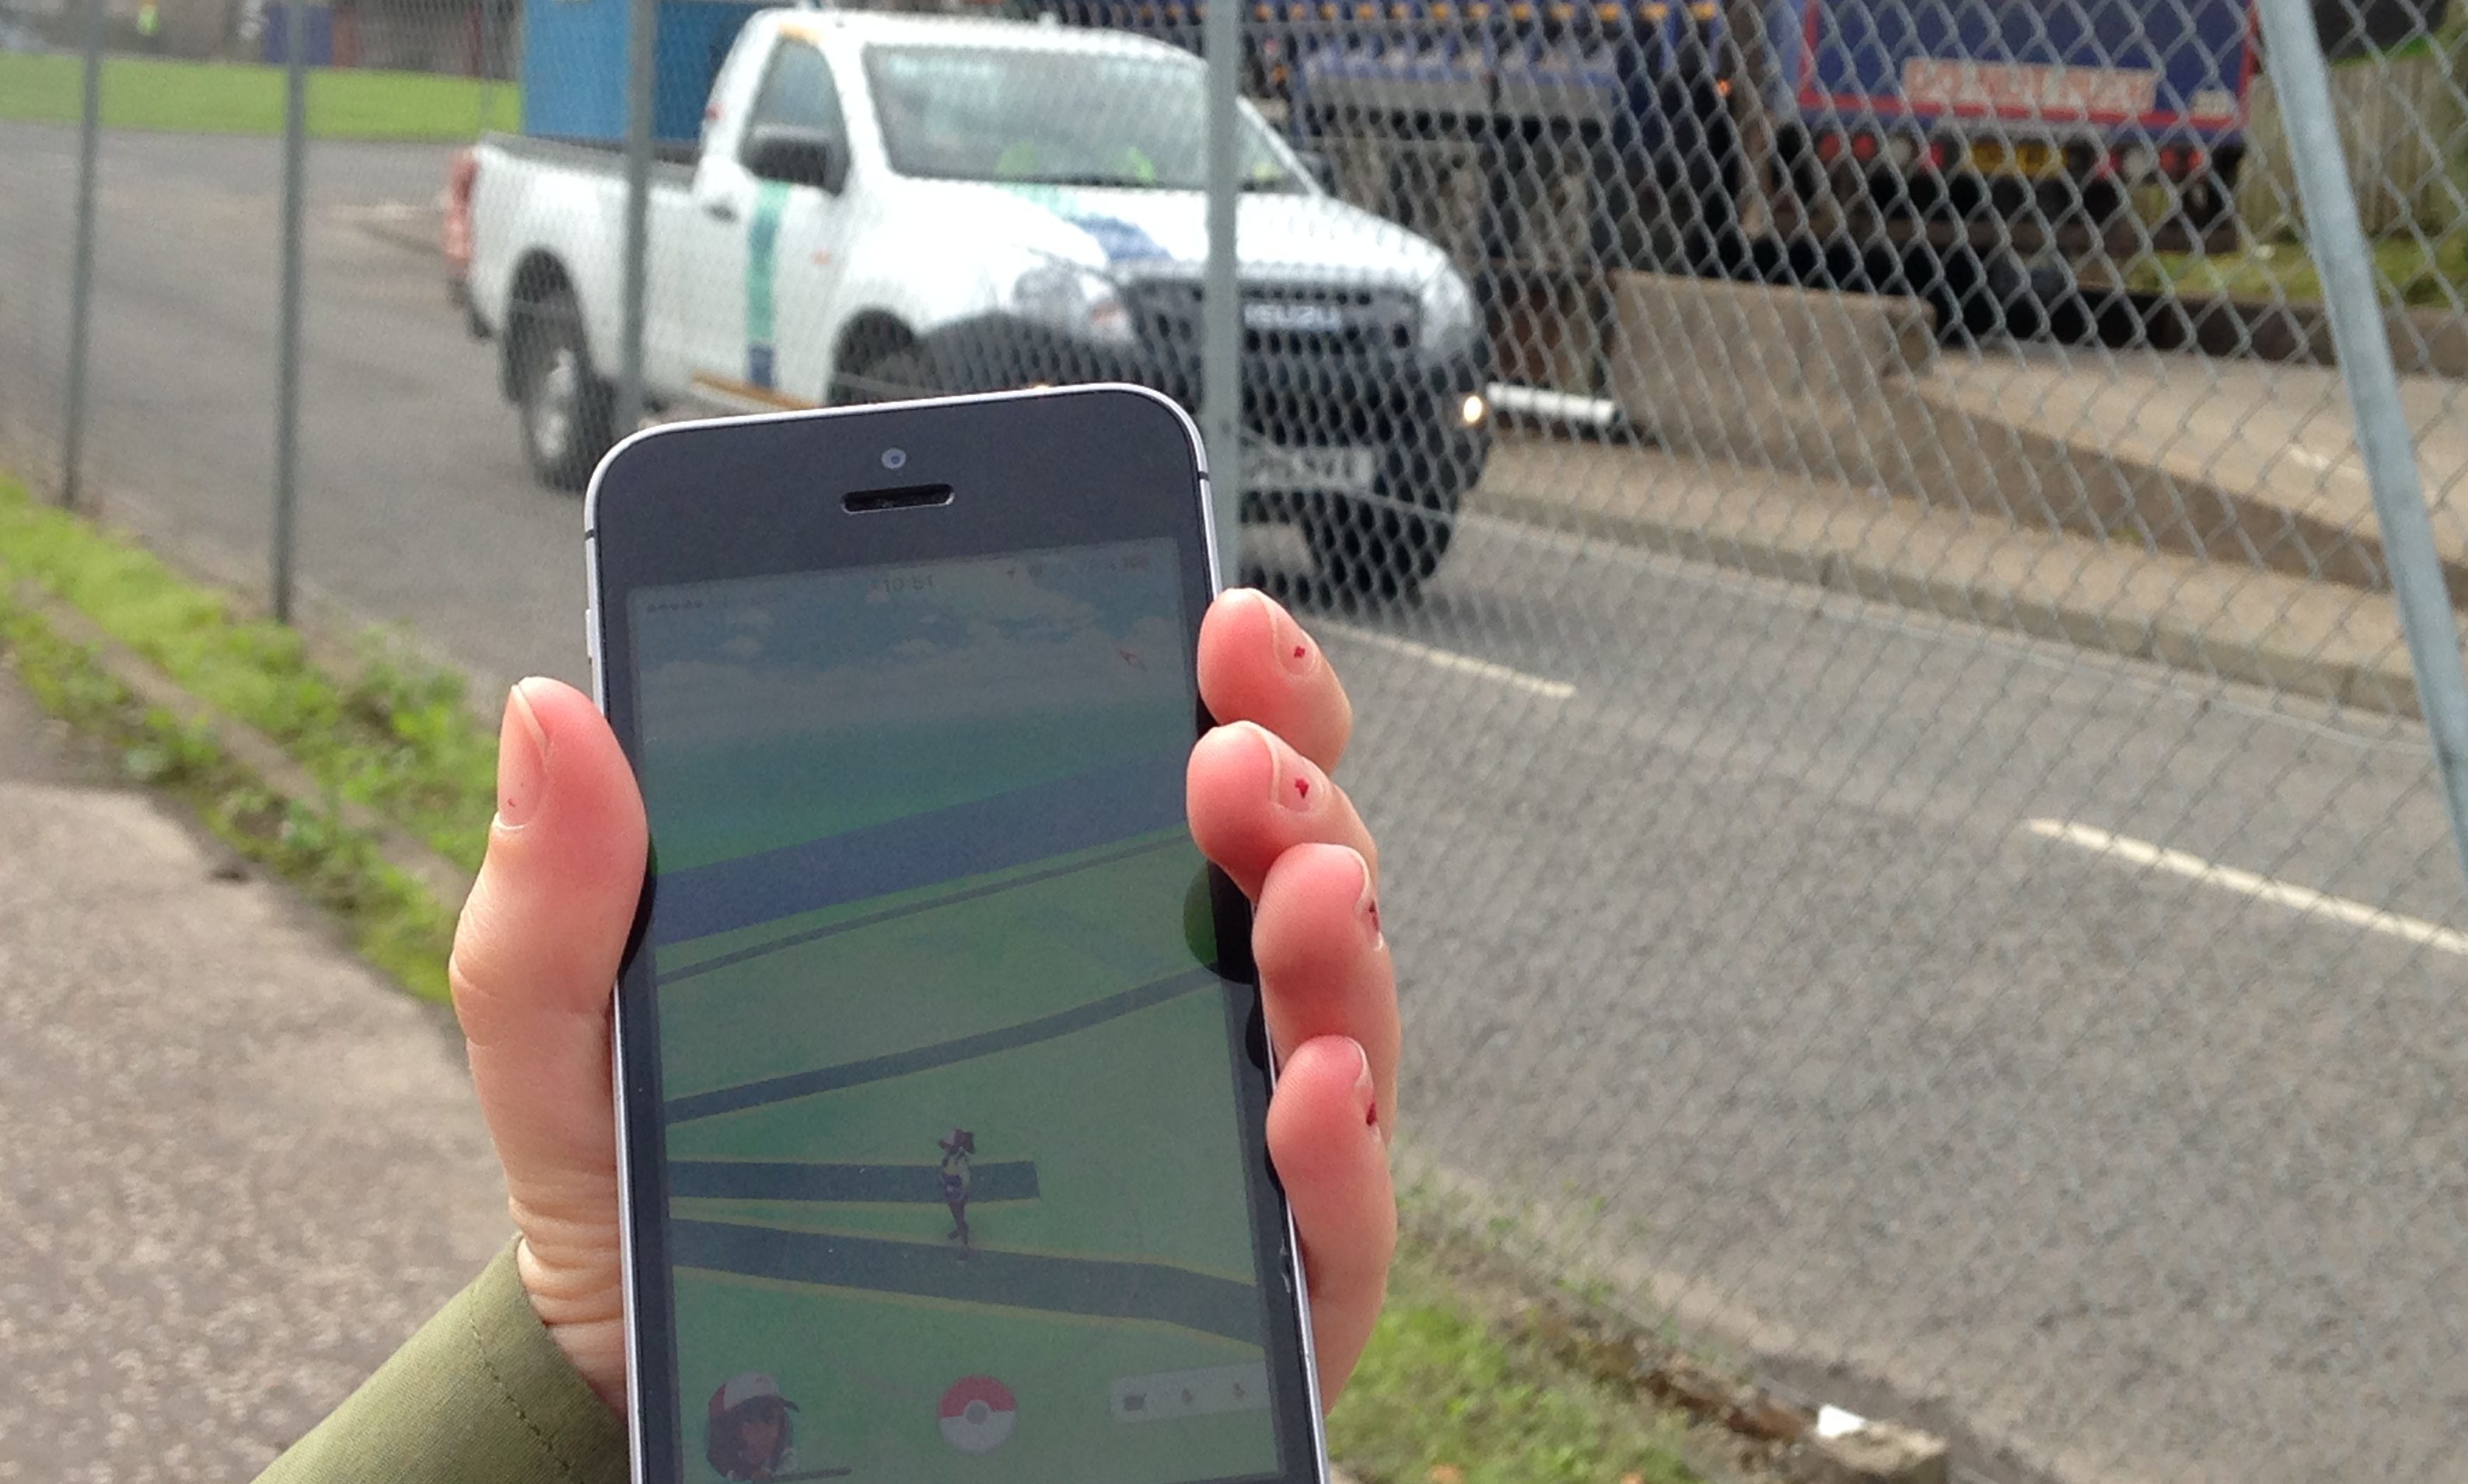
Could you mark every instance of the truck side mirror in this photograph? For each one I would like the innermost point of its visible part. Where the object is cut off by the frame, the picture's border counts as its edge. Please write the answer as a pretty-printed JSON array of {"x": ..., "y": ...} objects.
[{"x": 796, "y": 156}]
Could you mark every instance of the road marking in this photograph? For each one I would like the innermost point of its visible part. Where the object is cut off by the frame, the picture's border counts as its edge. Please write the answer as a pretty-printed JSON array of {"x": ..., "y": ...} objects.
[
  {"x": 1833, "y": 1422},
  {"x": 1462, "y": 664},
  {"x": 2264, "y": 888},
  {"x": 2324, "y": 463}
]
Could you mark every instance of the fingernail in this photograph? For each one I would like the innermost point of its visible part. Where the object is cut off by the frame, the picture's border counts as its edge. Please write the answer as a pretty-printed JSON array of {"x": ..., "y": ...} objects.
[
  {"x": 1366, "y": 904},
  {"x": 522, "y": 761},
  {"x": 1367, "y": 1093},
  {"x": 1295, "y": 649},
  {"x": 1292, "y": 779}
]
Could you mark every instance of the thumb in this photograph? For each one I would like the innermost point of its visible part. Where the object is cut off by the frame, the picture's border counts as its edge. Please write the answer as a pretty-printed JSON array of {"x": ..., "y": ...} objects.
[{"x": 536, "y": 957}]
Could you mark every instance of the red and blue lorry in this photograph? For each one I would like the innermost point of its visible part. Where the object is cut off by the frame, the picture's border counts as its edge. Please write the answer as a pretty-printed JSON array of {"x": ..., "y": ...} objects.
[{"x": 1660, "y": 134}]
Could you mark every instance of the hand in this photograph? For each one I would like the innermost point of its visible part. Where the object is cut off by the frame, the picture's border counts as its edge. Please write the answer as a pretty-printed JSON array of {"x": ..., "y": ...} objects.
[{"x": 539, "y": 946}]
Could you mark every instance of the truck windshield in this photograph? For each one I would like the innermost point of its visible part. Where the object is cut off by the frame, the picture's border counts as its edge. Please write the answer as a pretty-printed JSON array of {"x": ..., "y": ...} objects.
[{"x": 1050, "y": 117}]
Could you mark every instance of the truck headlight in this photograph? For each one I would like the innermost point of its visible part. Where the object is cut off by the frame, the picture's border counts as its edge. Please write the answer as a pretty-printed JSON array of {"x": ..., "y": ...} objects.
[
  {"x": 1078, "y": 301},
  {"x": 1451, "y": 321}
]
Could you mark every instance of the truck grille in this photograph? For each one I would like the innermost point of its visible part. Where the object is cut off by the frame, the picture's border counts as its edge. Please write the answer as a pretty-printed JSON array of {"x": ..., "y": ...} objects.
[{"x": 1311, "y": 320}]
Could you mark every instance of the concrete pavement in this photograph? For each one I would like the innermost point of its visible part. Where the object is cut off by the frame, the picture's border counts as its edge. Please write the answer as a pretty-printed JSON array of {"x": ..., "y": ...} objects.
[
  {"x": 402, "y": 432},
  {"x": 240, "y": 1168}
]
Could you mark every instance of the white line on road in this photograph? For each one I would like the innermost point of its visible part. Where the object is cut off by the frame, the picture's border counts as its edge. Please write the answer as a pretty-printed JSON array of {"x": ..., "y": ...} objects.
[
  {"x": 2302, "y": 899},
  {"x": 1462, "y": 664},
  {"x": 2323, "y": 463}
]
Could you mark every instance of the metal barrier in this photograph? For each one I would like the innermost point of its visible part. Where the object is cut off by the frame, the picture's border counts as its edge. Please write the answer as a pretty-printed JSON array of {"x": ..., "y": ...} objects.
[{"x": 1915, "y": 841}]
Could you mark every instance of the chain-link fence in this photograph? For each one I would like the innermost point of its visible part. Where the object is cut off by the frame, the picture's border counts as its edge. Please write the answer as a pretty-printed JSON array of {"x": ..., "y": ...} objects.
[{"x": 1911, "y": 842}]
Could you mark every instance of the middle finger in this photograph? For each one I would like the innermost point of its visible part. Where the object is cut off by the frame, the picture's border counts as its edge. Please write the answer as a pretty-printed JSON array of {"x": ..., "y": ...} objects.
[{"x": 1252, "y": 798}]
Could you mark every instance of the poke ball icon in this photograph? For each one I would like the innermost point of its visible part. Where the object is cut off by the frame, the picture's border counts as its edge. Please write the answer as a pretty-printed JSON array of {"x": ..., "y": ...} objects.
[{"x": 977, "y": 1414}]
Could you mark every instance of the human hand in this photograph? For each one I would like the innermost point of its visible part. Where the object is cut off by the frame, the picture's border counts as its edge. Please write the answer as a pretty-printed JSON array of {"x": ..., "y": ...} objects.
[{"x": 540, "y": 938}]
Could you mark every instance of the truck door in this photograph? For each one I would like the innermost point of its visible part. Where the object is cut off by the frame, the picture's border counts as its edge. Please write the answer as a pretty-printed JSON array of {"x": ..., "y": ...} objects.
[
  {"x": 699, "y": 255},
  {"x": 760, "y": 254},
  {"x": 796, "y": 252}
]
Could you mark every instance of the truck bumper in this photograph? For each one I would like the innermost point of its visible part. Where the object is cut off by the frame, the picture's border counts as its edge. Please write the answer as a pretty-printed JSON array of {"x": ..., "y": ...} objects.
[{"x": 1427, "y": 419}]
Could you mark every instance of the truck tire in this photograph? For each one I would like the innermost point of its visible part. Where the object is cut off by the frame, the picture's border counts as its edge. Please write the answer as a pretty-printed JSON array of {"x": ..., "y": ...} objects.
[
  {"x": 896, "y": 375},
  {"x": 569, "y": 412},
  {"x": 1373, "y": 551}
]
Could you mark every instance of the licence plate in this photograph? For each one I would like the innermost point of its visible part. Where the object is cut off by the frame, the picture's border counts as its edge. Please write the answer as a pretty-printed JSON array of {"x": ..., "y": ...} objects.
[
  {"x": 1287, "y": 470},
  {"x": 2031, "y": 158}
]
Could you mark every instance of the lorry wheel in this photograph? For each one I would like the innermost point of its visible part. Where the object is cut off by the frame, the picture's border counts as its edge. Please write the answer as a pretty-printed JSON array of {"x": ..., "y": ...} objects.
[
  {"x": 569, "y": 412},
  {"x": 1376, "y": 553},
  {"x": 898, "y": 375}
]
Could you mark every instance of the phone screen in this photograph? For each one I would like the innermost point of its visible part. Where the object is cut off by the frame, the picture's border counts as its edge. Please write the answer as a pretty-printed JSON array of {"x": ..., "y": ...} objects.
[{"x": 954, "y": 1155}]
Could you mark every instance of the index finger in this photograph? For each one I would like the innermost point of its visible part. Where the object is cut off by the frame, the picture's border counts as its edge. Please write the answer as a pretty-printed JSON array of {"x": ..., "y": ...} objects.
[{"x": 1256, "y": 664}]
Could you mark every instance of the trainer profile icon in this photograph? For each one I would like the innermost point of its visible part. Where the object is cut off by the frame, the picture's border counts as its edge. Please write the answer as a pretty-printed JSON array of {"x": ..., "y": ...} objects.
[{"x": 749, "y": 1434}]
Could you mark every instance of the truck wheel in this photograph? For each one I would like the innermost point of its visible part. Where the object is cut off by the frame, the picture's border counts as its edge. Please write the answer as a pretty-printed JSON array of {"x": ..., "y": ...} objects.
[
  {"x": 569, "y": 412},
  {"x": 899, "y": 376},
  {"x": 1376, "y": 553}
]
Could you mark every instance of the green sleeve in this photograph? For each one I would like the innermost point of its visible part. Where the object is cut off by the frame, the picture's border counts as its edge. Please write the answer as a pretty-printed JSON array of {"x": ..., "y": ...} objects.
[{"x": 479, "y": 1396}]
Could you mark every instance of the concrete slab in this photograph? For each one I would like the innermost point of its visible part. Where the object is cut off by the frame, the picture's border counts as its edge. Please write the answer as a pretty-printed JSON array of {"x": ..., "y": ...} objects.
[
  {"x": 2240, "y": 622},
  {"x": 240, "y": 1168},
  {"x": 1783, "y": 378},
  {"x": 2243, "y": 462},
  {"x": 2274, "y": 445}
]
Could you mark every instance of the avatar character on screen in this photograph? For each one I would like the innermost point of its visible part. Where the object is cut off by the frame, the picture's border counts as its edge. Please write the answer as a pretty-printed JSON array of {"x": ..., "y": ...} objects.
[
  {"x": 956, "y": 1152},
  {"x": 749, "y": 1434}
]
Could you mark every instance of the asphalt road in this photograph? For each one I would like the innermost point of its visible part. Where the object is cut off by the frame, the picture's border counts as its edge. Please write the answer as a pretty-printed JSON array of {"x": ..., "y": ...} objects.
[
  {"x": 1730, "y": 952},
  {"x": 404, "y": 444}
]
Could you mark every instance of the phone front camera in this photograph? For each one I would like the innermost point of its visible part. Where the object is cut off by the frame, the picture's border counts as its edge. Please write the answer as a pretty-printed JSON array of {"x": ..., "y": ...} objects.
[{"x": 895, "y": 457}]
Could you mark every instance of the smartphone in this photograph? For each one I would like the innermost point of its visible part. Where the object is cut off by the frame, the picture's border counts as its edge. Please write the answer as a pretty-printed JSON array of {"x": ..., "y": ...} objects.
[{"x": 941, "y": 1075}]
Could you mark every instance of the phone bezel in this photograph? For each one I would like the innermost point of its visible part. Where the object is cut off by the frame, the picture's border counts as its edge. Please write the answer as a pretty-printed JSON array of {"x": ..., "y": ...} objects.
[{"x": 744, "y": 497}]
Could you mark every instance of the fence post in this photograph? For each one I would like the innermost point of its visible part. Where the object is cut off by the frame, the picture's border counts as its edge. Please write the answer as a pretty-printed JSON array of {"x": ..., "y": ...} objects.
[
  {"x": 1744, "y": 33},
  {"x": 1221, "y": 320},
  {"x": 81, "y": 265},
  {"x": 2301, "y": 78},
  {"x": 642, "y": 29},
  {"x": 287, "y": 386},
  {"x": 488, "y": 12}
]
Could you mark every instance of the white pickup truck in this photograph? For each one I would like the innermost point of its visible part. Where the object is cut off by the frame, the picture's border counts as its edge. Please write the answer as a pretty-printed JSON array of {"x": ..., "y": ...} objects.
[{"x": 886, "y": 205}]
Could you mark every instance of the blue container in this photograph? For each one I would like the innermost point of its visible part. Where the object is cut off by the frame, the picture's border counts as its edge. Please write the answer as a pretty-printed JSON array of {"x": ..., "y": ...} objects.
[
  {"x": 276, "y": 39},
  {"x": 574, "y": 66}
]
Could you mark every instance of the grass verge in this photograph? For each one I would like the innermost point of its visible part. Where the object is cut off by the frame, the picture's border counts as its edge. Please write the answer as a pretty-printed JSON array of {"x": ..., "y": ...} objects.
[
  {"x": 1449, "y": 1394},
  {"x": 397, "y": 736},
  {"x": 1460, "y": 1386},
  {"x": 218, "y": 98},
  {"x": 392, "y": 920},
  {"x": 2431, "y": 274}
]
